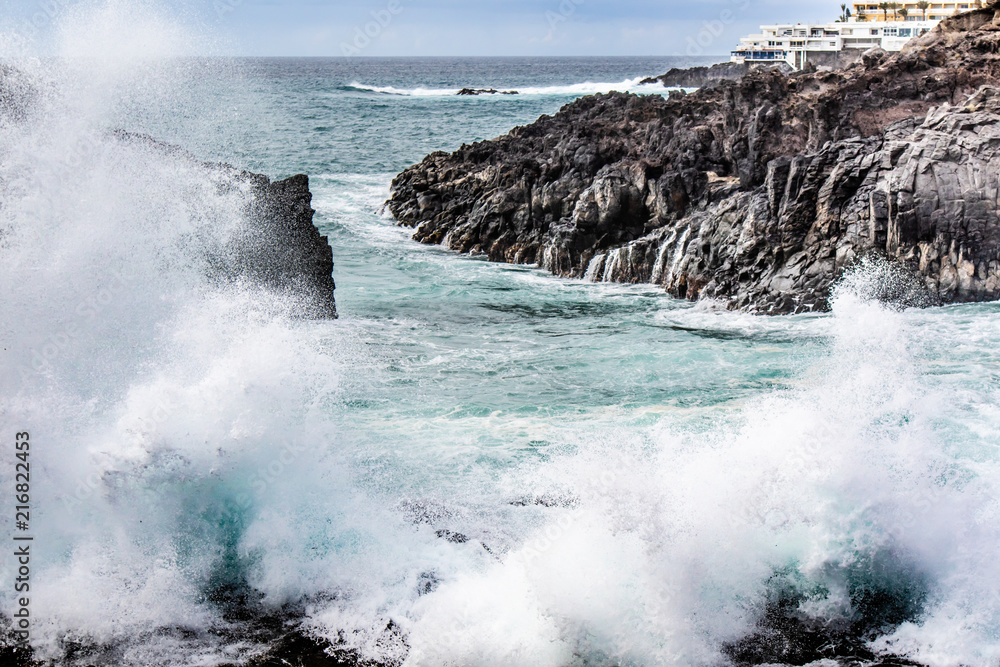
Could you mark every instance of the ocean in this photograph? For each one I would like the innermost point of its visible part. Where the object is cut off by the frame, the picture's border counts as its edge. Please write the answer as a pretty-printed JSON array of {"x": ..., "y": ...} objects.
[{"x": 477, "y": 463}]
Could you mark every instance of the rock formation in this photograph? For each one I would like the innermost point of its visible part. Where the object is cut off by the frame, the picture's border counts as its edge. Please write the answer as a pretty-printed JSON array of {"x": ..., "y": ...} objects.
[
  {"x": 696, "y": 77},
  {"x": 758, "y": 192},
  {"x": 279, "y": 247},
  {"x": 485, "y": 91},
  {"x": 284, "y": 249}
]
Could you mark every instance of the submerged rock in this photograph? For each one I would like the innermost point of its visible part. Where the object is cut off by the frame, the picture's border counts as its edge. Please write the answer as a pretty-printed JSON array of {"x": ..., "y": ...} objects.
[
  {"x": 874, "y": 596},
  {"x": 758, "y": 192}
]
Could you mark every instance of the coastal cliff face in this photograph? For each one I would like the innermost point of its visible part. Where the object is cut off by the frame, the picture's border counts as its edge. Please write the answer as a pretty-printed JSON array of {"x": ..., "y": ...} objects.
[
  {"x": 758, "y": 192},
  {"x": 284, "y": 249}
]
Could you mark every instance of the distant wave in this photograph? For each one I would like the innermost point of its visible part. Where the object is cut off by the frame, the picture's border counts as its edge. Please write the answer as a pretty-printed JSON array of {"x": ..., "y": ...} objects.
[
  {"x": 586, "y": 88},
  {"x": 412, "y": 92}
]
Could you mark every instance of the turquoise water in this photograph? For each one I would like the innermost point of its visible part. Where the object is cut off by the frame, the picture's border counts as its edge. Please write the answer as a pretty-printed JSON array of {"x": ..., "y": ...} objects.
[{"x": 511, "y": 468}]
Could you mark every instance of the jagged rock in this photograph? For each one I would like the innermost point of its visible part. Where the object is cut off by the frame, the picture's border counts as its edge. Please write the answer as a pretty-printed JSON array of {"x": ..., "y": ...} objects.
[
  {"x": 758, "y": 192},
  {"x": 280, "y": 247},
  {"x": 874, "y": 56},
  {"x": 485, "y": 91},
  {"x": 285, "y": 249},
  {"x": 696, "y": 77},
  {"x": 17, "y": 93}
]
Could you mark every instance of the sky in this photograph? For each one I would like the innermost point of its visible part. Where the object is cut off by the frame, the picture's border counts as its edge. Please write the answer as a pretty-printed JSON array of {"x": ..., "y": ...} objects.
[{"x": 449, "y": 27}]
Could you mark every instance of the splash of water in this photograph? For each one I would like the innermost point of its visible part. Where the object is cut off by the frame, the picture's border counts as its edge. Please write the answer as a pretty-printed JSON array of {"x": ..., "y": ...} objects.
[{"x": 197, "y": 446}]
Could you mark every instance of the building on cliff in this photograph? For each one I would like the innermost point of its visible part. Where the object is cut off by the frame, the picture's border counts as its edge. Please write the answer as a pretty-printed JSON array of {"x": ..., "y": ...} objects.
[
  {"x": 911, "y": 10},
  {"x": 828, "y": 44}
]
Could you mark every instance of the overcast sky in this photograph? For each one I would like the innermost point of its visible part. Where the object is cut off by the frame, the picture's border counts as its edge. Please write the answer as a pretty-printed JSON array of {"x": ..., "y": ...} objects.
[{"x": 460, "y": 27}]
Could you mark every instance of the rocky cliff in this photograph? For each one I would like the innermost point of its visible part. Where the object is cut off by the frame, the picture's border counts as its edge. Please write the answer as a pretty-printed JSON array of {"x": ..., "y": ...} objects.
[
  {"x": 278, "y": 247},
  {"x": 276, "y": 243},
  {"x": 696, "y": 77},
  {"x": 758, "y": 192},
  {"x": 283, "y": 248}
]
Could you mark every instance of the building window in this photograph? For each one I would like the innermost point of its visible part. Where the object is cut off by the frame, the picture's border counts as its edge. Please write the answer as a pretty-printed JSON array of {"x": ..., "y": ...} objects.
[
  {"x": 874, "y": 31},
  {"x": 904, "y": 32},
  {"x": 797, "y": 44}
]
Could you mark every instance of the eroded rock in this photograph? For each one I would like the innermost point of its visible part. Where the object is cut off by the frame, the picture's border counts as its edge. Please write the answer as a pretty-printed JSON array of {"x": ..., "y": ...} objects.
[{"x": 757, "y": 192}]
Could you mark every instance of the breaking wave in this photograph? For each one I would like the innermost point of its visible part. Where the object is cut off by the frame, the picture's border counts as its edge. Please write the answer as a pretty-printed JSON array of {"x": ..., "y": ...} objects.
[{"x": 574, "y": 90}]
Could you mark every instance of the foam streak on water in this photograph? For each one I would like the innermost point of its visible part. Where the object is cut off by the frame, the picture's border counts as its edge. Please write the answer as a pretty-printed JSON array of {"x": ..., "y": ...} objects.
[
  {"x": 510, "y": 468},
  {"x": 576, "y": 90}
]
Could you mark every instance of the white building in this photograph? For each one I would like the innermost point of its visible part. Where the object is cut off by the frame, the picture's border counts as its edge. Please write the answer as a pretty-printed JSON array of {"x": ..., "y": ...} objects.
[
  {"x": 829, "y": 44},
  {"x": 908, "y": 10}
]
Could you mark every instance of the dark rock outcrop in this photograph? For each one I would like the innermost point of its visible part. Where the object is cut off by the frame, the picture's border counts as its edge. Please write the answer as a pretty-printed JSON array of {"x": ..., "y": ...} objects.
[
  {"x": 17, "y": 93},
  {"x": 758, "y": 192},
  {"x": 280, "y": 247},
  {"x": 485, "y": 91},
  {"x": 284, "y": 249},
  {"x": 696, "y": 77}
]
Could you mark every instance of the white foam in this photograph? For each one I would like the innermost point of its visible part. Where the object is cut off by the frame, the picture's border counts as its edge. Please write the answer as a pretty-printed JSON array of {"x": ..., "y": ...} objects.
[
  {"x": 570, "y": 90},
  {"x": 664, "y": 556}
]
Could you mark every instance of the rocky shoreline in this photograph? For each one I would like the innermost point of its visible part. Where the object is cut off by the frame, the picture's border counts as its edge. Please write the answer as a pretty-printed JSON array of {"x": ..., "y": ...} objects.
[
  {"x": 758, "y": 192},
  {"x": 696, "y": 77},
  {"x": 274, "y": 244}
]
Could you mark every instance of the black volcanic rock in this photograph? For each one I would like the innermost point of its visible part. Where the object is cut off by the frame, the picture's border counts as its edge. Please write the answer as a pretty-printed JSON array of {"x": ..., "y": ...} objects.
[
  {"x": 17, "y": 93},
  {"x": 696, "y": 77},
  {"x": 284, "y": 249},
  {"x": 758, "y": 192},
  {"x": 279, "y": 247},
  {"x": 485, "y": 91}
]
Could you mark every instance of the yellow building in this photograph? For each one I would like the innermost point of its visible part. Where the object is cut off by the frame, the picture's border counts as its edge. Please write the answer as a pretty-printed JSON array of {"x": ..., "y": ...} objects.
[{"x": 871, "y": 11}]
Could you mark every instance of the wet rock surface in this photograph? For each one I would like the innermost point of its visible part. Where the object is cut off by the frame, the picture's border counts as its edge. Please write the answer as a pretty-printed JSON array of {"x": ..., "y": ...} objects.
[
  {"x": 485, "y": 91},
  {"x": 758, "y": 192},
  {"x": 284, "y": 249},
  {"x": 279, "y": 246}
]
